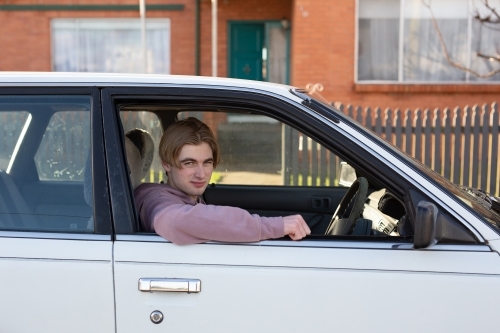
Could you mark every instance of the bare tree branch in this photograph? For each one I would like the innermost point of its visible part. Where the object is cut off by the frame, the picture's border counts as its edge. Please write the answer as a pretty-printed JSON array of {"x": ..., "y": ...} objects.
[
  {"x": 493, "y": 16},
  {"x": 445, "y": 49},
  {"x": 489, "y": 57}
]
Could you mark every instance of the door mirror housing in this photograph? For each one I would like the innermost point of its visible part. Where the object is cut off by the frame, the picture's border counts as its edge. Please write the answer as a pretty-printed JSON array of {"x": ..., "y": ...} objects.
[{"x": 425, "y": 225}]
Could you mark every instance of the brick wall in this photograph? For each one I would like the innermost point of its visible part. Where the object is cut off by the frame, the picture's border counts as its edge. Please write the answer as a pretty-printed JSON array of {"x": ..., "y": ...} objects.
[
  {"x": 323, "y": 51},
  {"x": 25, "y": 35}
]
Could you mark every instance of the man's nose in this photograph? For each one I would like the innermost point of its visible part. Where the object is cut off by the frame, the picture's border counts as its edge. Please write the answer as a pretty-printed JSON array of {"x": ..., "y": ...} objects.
[{"x": 200, "y": 171}]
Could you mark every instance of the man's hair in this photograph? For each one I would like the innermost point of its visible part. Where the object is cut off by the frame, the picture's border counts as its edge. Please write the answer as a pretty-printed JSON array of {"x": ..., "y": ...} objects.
[{"x": 190, "y": 131}]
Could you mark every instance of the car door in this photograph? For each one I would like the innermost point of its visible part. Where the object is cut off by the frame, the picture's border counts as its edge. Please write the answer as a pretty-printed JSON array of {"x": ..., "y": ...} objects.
[
  {"x": 55, "y": 241},
  {"x": 320, "y": 284}
]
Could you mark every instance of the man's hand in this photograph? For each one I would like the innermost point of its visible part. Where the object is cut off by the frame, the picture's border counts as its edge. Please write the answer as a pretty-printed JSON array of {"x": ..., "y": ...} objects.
[{"x": 296, "y": 227}]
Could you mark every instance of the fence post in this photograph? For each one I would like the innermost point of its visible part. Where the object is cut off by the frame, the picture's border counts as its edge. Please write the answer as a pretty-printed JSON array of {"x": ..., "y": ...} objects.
[
  {"x": 457, "y": 156},
  {"x": 467, "y": 147},
  {"x": 408, "y": 133},
  {"x": 323, "y": 166},
  {"x": 447, "y": 143},
  {"x": 398, "y": 124},
  {"x": 494, "y": 123},
  {"x": 437, "y": 141},
  {"x": 428, "y": 138},
  {"x": 387, "y": 125},
  {"x": 350, "y": 111},
  {"x": 295, "y": 156},
  {"x": 314, "y": 164},
  {"x": 417, "y": 125},
  {"x": 359, "y": 116},
  {"x": 378, "y": 121},
  {"x": 476, "y": 118},
  {"x": 304, "y": 163},
  {"x": 368, "y": 118},
  {"x": 286, "y": 156},
  {"x": 485, "y": 143}
]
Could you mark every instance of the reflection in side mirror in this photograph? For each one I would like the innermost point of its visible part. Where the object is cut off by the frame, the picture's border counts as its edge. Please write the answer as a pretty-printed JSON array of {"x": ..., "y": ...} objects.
[
  {"x": 425, "y": 225},
  {"x": 347, "y": 175}
]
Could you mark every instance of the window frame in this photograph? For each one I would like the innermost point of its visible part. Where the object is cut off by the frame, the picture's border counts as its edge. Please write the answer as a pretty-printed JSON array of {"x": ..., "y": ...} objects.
[
  {"x": 123, "y": 207},
  {"x": 101, "y": 207},
  {"x": 307, "y": 116}
]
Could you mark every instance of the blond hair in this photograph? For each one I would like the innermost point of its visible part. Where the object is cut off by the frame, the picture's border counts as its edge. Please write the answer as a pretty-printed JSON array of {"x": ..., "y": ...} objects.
[{"x": 190, "y": 131}]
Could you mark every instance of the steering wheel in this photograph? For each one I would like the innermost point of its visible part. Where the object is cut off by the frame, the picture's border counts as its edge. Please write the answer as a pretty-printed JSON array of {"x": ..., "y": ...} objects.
[{"x": 343, "y": 225}]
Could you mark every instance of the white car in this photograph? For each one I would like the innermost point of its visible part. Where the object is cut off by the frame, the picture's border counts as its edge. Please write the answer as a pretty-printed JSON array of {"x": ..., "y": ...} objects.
[{"x": 411, "y": 253}]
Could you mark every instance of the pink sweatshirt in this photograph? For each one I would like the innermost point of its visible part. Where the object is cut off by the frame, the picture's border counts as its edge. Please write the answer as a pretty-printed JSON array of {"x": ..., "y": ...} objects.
[{"x": 176, "y": 217}]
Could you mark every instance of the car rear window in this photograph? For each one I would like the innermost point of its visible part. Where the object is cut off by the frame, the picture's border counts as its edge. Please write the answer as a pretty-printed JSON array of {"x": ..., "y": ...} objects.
[{"x": 12, "y": 129}]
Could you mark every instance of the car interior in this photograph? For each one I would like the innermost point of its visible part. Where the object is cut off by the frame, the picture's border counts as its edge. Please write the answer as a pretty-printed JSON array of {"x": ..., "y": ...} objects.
[{"x": 334, "y": 205}]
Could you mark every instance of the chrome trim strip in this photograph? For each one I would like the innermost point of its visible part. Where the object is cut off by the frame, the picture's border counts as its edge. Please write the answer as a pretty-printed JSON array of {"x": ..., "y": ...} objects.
[
  {"x": 152, "y": 238},
  {"x": 47, "y": 235},
  {"x": 344, "y": 244}
]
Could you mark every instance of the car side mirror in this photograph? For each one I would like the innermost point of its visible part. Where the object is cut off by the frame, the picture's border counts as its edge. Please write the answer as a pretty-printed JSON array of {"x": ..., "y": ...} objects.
[{"x": 425, "y": 225}]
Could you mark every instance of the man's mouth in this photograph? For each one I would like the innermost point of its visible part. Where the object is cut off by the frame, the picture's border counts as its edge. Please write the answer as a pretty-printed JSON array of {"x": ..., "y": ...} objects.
[{"x": 198, "y": 184}]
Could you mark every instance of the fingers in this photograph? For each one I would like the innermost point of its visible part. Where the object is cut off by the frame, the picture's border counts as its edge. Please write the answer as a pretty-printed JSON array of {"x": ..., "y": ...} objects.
[{"x": 296, "y": 227}]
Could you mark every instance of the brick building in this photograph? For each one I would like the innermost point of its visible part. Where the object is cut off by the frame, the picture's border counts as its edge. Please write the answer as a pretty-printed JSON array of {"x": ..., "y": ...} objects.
[{"x": 364, "y": 52}]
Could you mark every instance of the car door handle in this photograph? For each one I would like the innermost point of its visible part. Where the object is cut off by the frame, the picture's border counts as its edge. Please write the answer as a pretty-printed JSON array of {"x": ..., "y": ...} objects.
[{"x": 170, "y": 285}]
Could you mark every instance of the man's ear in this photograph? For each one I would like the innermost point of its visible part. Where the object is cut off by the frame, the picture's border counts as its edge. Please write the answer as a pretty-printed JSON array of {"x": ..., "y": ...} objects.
[{"x": 167, "y": 167}]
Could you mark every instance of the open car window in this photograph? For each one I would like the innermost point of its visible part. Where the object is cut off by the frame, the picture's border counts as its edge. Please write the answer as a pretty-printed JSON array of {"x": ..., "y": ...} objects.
[
  {"x": 259, "y": 150},
  {"x": 271, "y": 168}
]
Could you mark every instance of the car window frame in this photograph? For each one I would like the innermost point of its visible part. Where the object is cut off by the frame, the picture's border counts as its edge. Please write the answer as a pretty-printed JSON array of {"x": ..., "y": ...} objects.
[
  {"x": 266, "y": 103},
  {"x": 101, "y": 208},
  {"x": 123, "y": 211}
]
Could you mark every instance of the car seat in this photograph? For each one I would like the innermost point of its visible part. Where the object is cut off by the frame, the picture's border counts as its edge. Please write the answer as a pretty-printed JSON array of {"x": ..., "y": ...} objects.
[{"x": 139, "y": 148}]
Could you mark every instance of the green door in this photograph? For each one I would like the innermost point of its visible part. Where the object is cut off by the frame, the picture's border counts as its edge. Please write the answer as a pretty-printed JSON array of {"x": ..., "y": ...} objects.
[{"x": 245, "y": 52}]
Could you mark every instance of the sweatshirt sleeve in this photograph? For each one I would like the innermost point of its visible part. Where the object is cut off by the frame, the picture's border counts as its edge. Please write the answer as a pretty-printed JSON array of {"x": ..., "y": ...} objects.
[{"x": 185, "y": 224}]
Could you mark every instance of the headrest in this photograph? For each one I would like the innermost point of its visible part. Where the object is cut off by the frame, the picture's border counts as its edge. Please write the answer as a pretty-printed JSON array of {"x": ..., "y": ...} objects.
[{"x": 139, "y": 147}]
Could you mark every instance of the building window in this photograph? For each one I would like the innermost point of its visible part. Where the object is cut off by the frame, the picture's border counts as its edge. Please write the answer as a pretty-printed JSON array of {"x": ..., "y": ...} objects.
[
  {"x": 398, "y": 42},
  {"x": 110, "y": 45}
]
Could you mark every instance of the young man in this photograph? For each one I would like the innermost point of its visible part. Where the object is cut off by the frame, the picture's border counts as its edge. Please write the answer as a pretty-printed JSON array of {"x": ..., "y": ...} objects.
[{"x": 176, "y": 211}]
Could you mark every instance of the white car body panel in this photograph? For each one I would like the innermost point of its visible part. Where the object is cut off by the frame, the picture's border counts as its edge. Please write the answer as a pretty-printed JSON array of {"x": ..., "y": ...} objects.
[
  {"x": 115, "y": 79},
  {"x": 249, "y": 288},
  {"x": 72, "y": 281}
]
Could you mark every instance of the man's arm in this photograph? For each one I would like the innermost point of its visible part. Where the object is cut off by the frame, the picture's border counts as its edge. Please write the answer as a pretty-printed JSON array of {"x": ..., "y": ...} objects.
[{"x": 185, "y": 224}]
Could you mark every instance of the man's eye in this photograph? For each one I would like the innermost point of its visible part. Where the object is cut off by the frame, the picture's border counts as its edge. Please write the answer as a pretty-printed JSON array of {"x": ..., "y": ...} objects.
[{"x": 188, "y": 164}]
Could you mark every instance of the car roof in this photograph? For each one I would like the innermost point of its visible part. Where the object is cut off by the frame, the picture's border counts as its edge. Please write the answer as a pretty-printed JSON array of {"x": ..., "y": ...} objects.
[{"x": 122, "y": 79}]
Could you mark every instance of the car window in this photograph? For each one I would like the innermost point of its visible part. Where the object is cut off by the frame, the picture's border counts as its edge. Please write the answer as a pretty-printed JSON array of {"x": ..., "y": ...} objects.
[
  {"x": 62, "y": 152},
  {"x": 45, "y": 176},
  {"x": 259, "y": 150},
  {"x": 12, "y": 125}
]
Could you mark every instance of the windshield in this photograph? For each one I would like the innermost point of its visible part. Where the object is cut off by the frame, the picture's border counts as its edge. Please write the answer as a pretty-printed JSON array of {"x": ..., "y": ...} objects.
[{"x": 465, "y": 198}]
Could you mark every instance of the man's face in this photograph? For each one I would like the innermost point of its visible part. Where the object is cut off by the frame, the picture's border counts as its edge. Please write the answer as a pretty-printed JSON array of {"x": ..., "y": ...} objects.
[{"x": 197, "y": 164}]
